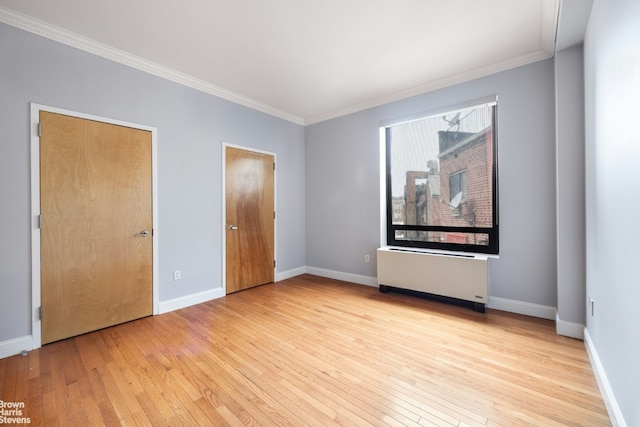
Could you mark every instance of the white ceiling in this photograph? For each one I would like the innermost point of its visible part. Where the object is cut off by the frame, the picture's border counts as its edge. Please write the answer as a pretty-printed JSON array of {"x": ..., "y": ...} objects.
[{"x": 303, "y": 60}]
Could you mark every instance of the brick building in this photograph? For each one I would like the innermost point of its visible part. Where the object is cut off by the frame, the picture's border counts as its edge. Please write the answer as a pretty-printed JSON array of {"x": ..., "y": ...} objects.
[{"x": 466, "y": 166}]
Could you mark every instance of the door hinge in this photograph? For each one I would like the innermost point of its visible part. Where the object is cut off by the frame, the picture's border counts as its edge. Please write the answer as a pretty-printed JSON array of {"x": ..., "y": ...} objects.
[
  {"x": 274, "y": 214},
  {"x": 274, "y": 165},
  {"x": 274, "y": 263},
  {"x": 39, "y": 130},
  {"x": 40, "y": 313},
  {"x": 39, "y": 221}
]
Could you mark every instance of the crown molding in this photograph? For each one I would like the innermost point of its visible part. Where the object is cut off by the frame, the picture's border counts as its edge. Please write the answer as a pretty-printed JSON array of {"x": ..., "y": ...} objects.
[
  {"x": 435, "y": 85},
  {"x": 549, "y": 30},
  {"x": 60, "y": 35},
  {"x": 550, "y": 19}
]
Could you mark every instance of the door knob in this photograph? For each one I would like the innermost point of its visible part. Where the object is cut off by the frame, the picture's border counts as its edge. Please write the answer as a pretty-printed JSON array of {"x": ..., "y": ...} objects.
[
  {"x": 232, "y": 227},
  {"x": 144, "y": 233}
]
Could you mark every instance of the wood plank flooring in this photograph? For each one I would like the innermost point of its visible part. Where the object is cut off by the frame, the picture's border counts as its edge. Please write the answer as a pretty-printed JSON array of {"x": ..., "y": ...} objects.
[{"x": 311, "y": 351}]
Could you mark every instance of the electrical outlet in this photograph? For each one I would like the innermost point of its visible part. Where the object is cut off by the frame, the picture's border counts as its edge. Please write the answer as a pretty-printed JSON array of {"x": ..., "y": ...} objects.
[
  {"x": 177, "y": 275},
  {"x": 367, "y": 258}
]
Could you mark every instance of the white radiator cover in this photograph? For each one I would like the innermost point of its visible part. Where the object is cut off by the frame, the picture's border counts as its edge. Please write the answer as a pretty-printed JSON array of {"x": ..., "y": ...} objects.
[{"x": 457, "y": 276}]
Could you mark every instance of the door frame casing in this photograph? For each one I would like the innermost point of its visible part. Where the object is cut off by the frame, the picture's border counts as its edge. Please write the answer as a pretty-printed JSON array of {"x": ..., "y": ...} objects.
[
  {"x": 36, "y": 296},
  {"x": 224, "y": 208}
]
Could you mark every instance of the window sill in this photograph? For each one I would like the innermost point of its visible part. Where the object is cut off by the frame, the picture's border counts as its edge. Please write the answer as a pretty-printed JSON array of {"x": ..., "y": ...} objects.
[{"x": 441, "y": 252}]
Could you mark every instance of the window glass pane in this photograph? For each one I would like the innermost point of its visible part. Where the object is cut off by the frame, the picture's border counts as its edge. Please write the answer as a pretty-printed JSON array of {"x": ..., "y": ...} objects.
[{"x": 441, "y": 170}]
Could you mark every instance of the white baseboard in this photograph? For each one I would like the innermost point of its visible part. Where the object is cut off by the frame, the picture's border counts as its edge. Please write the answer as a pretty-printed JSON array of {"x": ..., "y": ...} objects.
[
  {"x": 569, "y": 329},
  {"x": 521, "y": 307},
  {"x": 200, "y": 297},
  {"x": 15, "y": 346},
  {"x": 615, "y": 414},
  {"x": 347, "y": 277},
  {"x": 284, "y": 275},
  {"x": 189, "y": 300},
  {"x": 512, "y": 306}
]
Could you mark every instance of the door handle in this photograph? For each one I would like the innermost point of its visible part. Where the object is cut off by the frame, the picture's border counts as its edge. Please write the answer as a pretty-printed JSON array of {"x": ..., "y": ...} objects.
[
  {"x": 143, "y": 233},
  {"x": 232, "y": 227}
]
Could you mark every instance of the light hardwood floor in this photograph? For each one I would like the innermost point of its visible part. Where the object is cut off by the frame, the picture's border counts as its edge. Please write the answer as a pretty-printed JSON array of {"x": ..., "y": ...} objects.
[{"x": 311, "y": 351}]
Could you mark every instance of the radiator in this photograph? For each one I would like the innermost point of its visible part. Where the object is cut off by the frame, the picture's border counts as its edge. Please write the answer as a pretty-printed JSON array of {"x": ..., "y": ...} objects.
[{"x": 456, "y": 276}]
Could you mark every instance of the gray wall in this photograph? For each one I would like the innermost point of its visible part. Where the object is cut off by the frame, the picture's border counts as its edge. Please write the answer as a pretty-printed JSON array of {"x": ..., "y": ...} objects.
[
  {"x": 570, "y": 184},
  {"x": 612, "y": 91},
  {"x": 191, "y": 129},
  {"x": 343, "y": 182}
]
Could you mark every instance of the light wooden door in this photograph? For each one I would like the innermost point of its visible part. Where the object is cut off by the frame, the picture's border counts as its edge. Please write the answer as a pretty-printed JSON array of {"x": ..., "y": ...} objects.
[
  {"x": 249, "y": 200},
  {"x": 96, "y": 235}
]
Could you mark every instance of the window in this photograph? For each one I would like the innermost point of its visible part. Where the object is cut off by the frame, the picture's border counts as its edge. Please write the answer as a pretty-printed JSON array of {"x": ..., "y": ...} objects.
[
  {"x": 457, "y": 191},
  {"x": 441, "y": 181}
]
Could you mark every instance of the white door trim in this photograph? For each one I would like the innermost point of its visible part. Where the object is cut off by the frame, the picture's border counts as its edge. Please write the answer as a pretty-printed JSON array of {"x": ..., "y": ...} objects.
[
  {"x": 36, "y": 300},
  {"x": 224, "y": 209}
]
